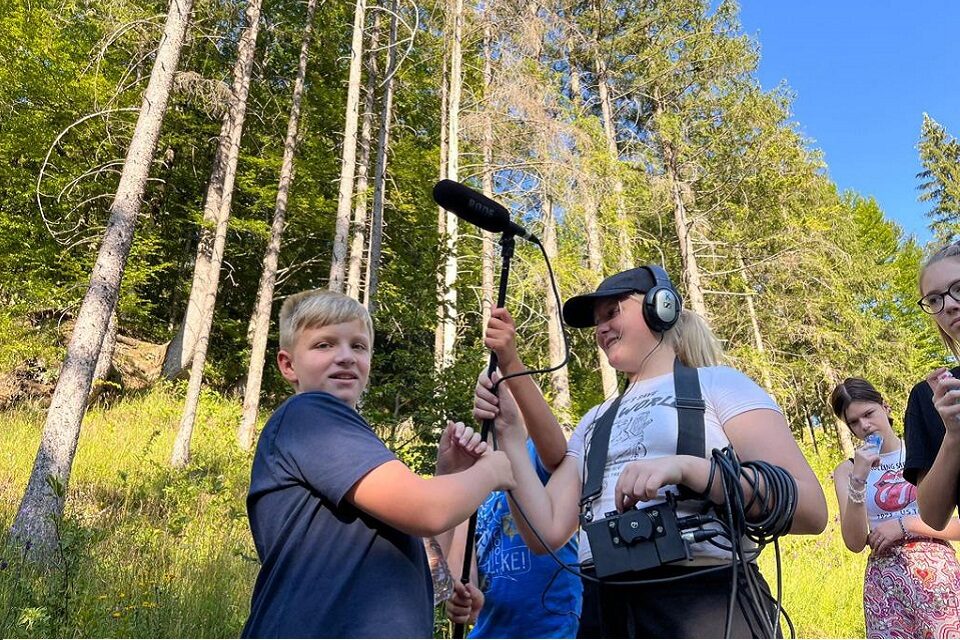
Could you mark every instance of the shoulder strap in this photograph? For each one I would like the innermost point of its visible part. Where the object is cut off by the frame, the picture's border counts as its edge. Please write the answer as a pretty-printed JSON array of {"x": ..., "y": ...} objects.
[
  {"x": 597, "y": 453},
  {"x": 691, "y": 433}
]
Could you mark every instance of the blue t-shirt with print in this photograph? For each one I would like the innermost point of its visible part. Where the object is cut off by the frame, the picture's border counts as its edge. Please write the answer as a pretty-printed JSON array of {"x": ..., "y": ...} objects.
[
  {"x": 526, "y": 595},
  {"x": 328, "y": 569}
]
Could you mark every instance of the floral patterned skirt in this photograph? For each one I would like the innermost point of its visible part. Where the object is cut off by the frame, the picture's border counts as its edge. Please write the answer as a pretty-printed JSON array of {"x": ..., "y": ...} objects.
[{"x": 913, "y": 591}]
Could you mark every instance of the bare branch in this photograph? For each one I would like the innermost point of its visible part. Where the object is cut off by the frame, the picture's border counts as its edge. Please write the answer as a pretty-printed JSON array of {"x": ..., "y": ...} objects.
[{"x": 46, "y": 159}]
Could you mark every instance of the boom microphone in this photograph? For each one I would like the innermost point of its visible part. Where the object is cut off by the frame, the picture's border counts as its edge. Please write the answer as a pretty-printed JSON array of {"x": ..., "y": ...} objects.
[{"x": 477, "y": 209}]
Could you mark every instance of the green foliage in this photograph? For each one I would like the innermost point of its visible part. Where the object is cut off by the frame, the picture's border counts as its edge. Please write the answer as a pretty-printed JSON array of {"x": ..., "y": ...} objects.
[
  {"x": 822, "y": 581},
  {"x": 940, "y": 178},
  {"x": 23, "y": 346}
]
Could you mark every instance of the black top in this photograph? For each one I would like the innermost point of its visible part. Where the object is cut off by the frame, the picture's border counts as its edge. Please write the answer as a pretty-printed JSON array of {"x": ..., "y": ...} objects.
[
  {"x": 328, "y": 569},
  {"x": 923, "y": 432}
]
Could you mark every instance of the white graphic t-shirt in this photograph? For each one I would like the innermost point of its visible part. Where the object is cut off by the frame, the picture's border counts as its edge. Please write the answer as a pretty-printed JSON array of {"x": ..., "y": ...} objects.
[
  {"x": 646, "y": 427},
  {"x": 888, "y": 494}
]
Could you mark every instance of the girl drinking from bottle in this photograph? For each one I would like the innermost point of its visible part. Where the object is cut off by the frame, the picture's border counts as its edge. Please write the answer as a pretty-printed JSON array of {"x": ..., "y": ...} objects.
[{"x": 912, "y": 578}]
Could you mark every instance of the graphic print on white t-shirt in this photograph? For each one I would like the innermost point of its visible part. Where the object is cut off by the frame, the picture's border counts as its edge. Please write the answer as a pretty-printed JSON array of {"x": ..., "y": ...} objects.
[
  {"x": 646, "y": 428},
  {"x": 889, "y": 495}
]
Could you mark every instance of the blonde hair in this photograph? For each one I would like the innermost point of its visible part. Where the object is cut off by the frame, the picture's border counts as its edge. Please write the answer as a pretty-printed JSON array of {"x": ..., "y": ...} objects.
[
  {"x": 952, "y": 250},
  {"x": 692, "y": 339},
  {"x": 318, "y": 308}
]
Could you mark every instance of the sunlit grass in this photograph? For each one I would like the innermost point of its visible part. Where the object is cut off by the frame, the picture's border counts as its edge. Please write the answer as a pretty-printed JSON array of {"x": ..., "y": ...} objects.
[
  {"x": 150, "y": 552},
  {"x": 822, "y": 581}
]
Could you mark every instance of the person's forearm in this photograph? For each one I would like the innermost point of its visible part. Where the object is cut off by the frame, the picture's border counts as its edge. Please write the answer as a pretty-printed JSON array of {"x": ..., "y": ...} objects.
[
  {"x": 853, "y": 528},
  {"x": 542, "y": 425},
  {"x": 447, "y": 500},
  {"x": 696, "y": 472},
  {"x": 917, "y": 527},
  {"x": 853, "y": 524},
  {"x": 451, "y": 543},
  {"x": 937, "y": 492},
  {"x": 853, "y": 515},
  {"x": 531, "y": 496}
]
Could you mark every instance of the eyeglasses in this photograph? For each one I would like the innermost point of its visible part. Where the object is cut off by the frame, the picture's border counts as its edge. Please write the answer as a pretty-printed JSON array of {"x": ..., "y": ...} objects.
[{"x": 933, "y": 303}]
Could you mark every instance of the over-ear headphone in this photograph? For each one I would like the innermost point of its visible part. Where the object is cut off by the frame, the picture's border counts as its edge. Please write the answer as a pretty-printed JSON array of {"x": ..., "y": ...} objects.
[{"x": 662, "y": 303}]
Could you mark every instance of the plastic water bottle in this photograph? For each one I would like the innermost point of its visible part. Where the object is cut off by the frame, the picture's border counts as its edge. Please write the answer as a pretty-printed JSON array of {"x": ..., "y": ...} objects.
[
  {"x": 875, "y": 441},
  {"x": 439, "y": 571}
]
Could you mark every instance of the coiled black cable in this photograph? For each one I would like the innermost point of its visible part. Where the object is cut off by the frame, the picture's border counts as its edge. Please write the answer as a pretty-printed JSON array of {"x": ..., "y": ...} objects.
[{"x": 763, "y": 519}]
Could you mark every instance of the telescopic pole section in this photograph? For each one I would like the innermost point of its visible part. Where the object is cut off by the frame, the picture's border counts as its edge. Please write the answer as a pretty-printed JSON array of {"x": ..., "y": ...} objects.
[{"x": 506, "y": 254}]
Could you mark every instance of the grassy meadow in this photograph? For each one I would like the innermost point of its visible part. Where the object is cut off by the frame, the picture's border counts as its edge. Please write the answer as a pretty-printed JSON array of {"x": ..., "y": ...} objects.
[{"x": 151, "y": 552}]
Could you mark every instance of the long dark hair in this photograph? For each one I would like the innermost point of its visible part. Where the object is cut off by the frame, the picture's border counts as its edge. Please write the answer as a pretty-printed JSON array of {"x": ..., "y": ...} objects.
[{"x": 853, "y": 390}]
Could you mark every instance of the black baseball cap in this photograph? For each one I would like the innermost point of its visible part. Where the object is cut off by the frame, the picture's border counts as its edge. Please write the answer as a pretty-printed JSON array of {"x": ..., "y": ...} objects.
[{"x": 578, "y": 311}]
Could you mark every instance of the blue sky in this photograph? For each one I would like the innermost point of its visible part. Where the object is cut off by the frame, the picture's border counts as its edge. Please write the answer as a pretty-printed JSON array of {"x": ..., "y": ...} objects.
[{"x": 863, "y": 73}]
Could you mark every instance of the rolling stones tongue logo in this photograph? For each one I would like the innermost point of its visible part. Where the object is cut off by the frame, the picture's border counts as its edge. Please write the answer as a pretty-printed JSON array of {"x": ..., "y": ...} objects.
[{"x": 893, "y": 492}]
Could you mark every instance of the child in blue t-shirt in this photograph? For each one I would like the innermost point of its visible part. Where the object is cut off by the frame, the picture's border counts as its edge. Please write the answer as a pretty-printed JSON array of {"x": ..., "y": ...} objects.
[
  {"x": 514, "y": 592},
  {"x": 336, "y": 518}
]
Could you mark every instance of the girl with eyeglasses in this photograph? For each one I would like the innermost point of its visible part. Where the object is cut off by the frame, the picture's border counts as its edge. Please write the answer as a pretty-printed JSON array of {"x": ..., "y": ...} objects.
[
  {"x": 932, "y": 420},
  {"x": 912, "y": 579}
]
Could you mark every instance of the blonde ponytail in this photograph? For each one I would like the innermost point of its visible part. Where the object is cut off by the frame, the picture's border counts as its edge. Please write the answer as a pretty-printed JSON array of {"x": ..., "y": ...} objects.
[{"x": 694, "y": 342}]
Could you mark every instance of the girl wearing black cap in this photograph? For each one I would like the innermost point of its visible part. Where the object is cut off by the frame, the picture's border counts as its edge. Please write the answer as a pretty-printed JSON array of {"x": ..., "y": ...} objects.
[{"x": 642, "y": 330}]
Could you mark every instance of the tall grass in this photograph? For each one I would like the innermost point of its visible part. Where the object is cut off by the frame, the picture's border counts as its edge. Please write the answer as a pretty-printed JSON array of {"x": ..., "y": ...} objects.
[
  {"x": 152, "y": 552},
  {"x": 146, "y": 551},
  {"x": 822, "y": 580}
]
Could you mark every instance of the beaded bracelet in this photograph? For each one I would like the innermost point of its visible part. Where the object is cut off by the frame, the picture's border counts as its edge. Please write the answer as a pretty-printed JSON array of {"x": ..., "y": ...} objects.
[
  {"x": 857, "y": 496},
  {"x": 862, "y": 483},
  {"x": 902, "y": 528}
]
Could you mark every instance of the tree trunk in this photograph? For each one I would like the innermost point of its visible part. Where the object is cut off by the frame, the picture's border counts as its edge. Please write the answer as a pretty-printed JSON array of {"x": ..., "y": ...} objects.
[
  {"x": 449, "y": 293},
  {"x": 846, "y": 442},
  {"x": 575, "y": 95},
  {"x": 260, "y": 322},
  {"x": 610, "y": 131},
  {"x": 559, "y": 379},
  {"x": 755, "y": 326},
  {"x": 842, "y": 431},
  {"x": 380, "y": 174},
  {"x": 216, "y": 211},
  {"x": 43, "y": 500},
  {"x": 813, "y": 435},
  {"x": 105, "y": 360},
  {"x": 595, "y": 260},
  {"x": 486, "y": 285},
  {"x": 688, "y": 256},
  {"x": 223, "y": 195},
  {"x": 349, "y": 155},
  {"x": 359, "y": 242},
  {"x": 441, "y": 212}
]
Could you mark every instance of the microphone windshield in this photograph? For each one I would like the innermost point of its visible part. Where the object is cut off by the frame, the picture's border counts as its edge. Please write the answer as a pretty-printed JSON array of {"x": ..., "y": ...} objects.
[{"x": 473, "y": 207}]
